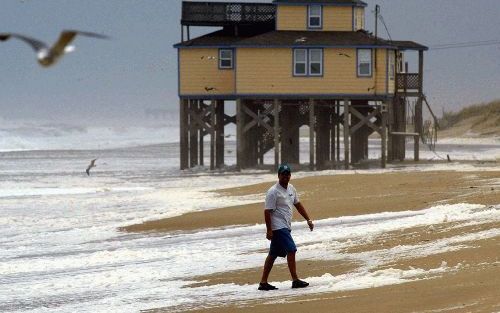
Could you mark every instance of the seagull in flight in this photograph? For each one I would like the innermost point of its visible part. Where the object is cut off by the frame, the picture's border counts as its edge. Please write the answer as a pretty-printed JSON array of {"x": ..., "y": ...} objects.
[
  {"x": 46, "y": 55},
  {"x": 91, "y": 165}
]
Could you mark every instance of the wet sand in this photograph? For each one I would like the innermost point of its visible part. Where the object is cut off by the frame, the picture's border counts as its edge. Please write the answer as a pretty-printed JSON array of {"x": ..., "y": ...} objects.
[
  {"x": 472, "y": 286},
  {"x": 345, "y": 195}
]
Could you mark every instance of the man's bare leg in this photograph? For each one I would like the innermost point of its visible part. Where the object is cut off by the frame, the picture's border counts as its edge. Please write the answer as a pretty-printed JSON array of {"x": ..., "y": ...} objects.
[
  {"x": 290, "y": 258},
  {"x": 268, "y": 266}
]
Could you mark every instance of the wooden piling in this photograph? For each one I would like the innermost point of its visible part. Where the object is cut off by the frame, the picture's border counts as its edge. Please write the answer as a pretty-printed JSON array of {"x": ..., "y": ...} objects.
[
  {"x": 212, "y": 135},
  {"x": 193, "y": 134},
  {"x": 219, "y": 133},
  {"x": 346, "y": 134},
  {"x": 311, "y": 134},
  {"x": 201, "y": 134},
  {"x": 383, "y": 135},
  {"x": 276, "y": 132},
  {"x": 184, "y": 134},
  {"x": 239, "y": 134}
]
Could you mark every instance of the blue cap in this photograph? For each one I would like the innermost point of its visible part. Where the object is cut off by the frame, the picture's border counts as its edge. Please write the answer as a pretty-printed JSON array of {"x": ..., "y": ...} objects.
[{"x": 284, "y": 168}]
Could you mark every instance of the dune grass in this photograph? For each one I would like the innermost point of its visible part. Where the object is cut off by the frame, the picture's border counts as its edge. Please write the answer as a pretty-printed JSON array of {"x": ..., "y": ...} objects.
[{"x": 483, "y": 110}]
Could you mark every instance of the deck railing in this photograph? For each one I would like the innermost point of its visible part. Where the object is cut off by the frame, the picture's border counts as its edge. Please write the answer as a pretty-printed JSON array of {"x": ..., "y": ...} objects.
[
  {"x": 226, "y": 13},
  {"x": 408, "y": 81}
]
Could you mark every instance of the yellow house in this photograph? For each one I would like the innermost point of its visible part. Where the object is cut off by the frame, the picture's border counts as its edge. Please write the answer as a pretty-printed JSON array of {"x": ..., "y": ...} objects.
[{"x": 286, "y": 54}]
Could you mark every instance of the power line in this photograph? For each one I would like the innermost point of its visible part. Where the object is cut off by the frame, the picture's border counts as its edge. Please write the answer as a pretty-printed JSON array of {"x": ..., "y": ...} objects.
[
  {"x": 383, "y": 22},
  {"x": 450, "y": 45},
  {"x": 465, "y": 44}
]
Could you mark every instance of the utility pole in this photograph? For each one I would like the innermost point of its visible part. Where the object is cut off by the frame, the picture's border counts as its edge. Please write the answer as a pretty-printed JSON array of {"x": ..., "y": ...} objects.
[{"x": 377, "y": 11}]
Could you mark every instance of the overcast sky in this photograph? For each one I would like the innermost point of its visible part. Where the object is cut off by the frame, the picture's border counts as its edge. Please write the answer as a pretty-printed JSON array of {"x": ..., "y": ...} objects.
[{"x": 137, "y": 69}]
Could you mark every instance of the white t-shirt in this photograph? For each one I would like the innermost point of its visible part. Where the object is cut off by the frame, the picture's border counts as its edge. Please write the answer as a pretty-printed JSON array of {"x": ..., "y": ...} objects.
[{"x": 280, "y": 202}]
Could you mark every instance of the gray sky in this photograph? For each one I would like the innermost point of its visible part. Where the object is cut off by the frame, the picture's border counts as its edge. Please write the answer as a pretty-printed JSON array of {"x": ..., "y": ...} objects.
[{"x": 137, "y": 69}]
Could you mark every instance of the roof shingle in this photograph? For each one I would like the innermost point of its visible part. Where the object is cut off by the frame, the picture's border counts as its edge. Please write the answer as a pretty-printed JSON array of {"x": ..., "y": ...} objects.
[{"x": 297, "y": 39}]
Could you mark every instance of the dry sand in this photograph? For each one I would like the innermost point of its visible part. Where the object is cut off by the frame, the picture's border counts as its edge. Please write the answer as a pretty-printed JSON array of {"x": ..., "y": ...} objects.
[{"x": 473, "y": 287}]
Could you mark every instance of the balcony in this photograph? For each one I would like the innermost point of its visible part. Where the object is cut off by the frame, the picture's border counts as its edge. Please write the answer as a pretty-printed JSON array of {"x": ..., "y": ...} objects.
[{"x": 227, "y": 14}]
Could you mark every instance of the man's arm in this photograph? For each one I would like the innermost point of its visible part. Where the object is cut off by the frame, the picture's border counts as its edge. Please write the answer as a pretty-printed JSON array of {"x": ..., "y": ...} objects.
[
  {"x": 269, "y": 231},
  {"x": 303, "y": 212}
]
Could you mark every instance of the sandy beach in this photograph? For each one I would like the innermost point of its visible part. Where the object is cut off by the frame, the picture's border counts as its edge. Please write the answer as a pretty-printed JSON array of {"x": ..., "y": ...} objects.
[{"x": 464, "y": 278}]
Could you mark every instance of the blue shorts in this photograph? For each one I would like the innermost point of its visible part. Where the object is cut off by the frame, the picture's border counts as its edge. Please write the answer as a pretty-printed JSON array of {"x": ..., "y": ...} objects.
[{"x": 282, "y": 243}]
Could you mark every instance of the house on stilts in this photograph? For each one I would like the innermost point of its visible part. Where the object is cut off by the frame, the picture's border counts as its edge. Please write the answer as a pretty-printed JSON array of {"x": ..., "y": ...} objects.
[{"x": 292, "y": 63}]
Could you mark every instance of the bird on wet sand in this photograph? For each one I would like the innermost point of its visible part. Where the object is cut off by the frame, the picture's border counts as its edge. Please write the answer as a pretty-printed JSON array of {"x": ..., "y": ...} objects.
[
  {"x": 91, "y": 165},
  {"x": 46, "y": 55}
]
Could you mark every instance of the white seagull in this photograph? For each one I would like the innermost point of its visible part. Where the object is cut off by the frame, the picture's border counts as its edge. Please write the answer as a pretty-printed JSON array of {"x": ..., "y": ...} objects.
[
  {"x": 49, "y": 56},
  {"x": 91, "y": 165}
]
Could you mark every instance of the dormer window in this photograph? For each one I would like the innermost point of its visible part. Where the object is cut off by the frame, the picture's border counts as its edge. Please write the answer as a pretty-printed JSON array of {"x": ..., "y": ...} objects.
[{"x": 314, "y": 16}]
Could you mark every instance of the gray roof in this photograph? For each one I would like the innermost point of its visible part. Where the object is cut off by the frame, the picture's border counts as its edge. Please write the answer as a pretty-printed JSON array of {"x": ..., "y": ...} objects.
[
  {"x": 326, "y": 2},
  {"x": 297, "y": 39},
  {"x": 408, "y": 45}
]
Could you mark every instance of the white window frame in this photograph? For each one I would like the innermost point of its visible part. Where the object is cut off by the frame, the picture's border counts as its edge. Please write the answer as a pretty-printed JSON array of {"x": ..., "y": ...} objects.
[
  {"x": 231, "y": 59},
  {"x": 301, "y": 62},
  {"x": 359, "y": 62},
  {"x": 307, "y": 62},
  {"x": 310, "y": 15},
  {"x": 310, "y": 62}
]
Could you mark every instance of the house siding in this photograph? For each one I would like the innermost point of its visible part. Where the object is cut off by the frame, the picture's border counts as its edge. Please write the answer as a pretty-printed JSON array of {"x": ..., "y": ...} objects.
[
  {"x": 294, "y": 17},
  {"x": 291, "y": 17},
  {"x": 391, "y": 82},
  {"x": 270, "y": 71},
  {"x": 196, "y": 73},
  {"x": 380, "y": 73}
]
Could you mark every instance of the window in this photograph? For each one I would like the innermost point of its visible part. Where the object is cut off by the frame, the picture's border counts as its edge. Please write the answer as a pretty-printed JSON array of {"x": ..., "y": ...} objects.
[
  {"x": 225, "y": 58},
  {"x": 314, "y": 16},
  {"x": 365, "y": 62},
  {"x": 359, "y": 19},
  {"x": 308, "y": 62},
  {"x": 315, "y": 62},
  {"x": 300, "y": 62},
  {"x": 392, "y": 64}
]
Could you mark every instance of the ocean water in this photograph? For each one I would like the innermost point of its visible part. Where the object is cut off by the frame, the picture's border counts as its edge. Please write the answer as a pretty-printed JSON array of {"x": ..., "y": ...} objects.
[{"x": 61, "y": 251}]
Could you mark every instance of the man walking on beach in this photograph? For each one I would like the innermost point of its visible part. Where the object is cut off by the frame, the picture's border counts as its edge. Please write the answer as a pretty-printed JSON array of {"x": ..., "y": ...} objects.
[{"x": 280, "y": 200}]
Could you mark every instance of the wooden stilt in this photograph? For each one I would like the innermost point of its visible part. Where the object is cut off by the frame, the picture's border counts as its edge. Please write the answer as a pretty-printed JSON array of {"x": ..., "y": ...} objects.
[
  {"x": 219, "y": 134},
  {"x": 360, "y": 130},
  {"x": 418, "y": 127},
  {"x": 311, "y": 134},
  {"x": 390, "y": 123},
  {"x": 212, "y": 135},
  {"x": 333, "y": 119},
  {"x": 276, "y": 132},
  {"x": 202, "y": 133},
  {"x": 383, "y": 136},
  {"x": 239, "y": 134},
  {"x": 184, "y": 133},
  {"x": 346, "y": 134},
  {"x": 337, "y": 106},
  {"x": 290, "y": 134},
  {"x": 193, "y": 134},
  {"x": 322, "y": 135}
]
